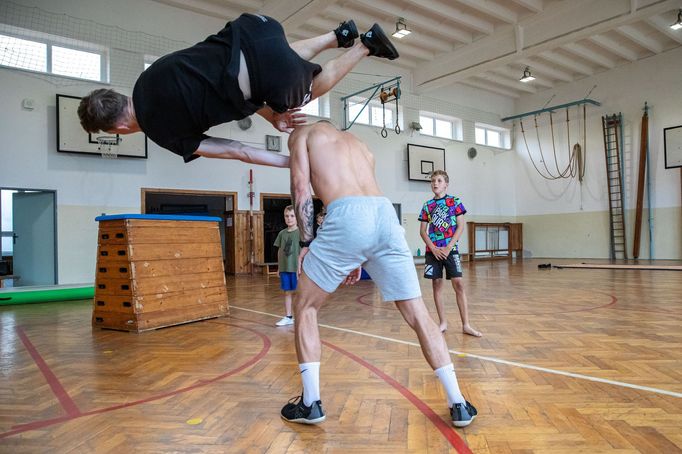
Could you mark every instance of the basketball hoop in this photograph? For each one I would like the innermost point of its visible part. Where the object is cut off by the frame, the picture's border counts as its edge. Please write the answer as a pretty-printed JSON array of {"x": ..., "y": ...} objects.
[{"x": 106, "y": 145}]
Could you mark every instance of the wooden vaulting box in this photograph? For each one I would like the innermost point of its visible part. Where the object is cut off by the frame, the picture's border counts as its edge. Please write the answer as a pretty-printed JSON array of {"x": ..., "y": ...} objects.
[{"x": 158, "y": 270}]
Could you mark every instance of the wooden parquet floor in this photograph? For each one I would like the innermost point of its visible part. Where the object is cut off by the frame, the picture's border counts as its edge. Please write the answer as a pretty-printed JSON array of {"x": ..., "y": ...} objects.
[{"x": 571, "y": 361}]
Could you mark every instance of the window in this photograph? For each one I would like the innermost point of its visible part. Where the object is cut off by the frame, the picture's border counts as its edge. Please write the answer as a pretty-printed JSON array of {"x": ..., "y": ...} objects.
[
  {"x": 318, "y": 107},
  {"x": 440, "y": 126},
  {"x": 373, "y": 114},
  {"x": 493, "y": 136},
  {"x": 23, "y": 54},
  {"x": 148, "y": 60},
  {"x": 76, "y": 63},
  {"x": 48, "y": 55}
]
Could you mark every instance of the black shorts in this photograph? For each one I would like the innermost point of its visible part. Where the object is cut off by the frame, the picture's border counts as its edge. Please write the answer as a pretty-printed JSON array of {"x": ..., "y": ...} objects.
[{"x": 433, "y": 268}]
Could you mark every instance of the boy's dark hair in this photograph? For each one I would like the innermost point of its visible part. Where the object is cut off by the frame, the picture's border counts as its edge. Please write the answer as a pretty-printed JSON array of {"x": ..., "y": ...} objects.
[
  {"x": 441, "y": 173},
  {"x": 102, "y": 109}
]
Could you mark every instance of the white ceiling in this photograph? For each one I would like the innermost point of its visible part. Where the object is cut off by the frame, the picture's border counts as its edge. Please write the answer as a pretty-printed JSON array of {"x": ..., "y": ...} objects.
[{"x": 485, "y": 43}]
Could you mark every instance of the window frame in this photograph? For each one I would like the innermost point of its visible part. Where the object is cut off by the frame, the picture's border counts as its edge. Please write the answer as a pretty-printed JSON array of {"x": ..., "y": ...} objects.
[
  {"x": 324, "y": 108},
  {"x": 51, "y": 41},
  {"x": 456, "y": 123},
  {"x": 505, "y": 135},
  {"x": 372, "y": 104}
]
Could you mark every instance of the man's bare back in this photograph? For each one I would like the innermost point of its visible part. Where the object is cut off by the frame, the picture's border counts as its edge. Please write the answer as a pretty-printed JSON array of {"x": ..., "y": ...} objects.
[{"x": 339, "y": 164}]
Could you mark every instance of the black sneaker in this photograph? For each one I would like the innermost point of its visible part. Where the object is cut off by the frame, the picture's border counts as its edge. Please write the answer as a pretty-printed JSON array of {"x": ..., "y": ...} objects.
[
  {"x": 346, "y": 33},
  {"x": 378, "y": 43},
  {"x": 296, "y": 411},
  {"x": 462, "y": 414}
]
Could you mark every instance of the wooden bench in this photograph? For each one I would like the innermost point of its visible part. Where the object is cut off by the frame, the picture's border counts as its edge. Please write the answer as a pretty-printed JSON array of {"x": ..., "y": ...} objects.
[
  {"x": 13, "y": 277},
  {"x": 269, "y": 268}
]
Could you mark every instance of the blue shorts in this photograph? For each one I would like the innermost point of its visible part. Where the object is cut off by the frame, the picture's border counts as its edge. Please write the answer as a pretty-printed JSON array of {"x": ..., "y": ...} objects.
[
  {"x": 363, "y": 231},
  {"x": 287, "y": 281}
]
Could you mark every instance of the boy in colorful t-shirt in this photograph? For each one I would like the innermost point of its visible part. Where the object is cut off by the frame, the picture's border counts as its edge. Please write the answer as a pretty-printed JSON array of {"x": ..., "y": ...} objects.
[
  {"x": 442, "y": 224},
  {"x": 287, "y": 260}
]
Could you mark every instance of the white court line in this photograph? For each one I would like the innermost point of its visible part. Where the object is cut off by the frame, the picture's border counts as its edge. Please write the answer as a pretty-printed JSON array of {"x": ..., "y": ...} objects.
[{"x": 496, "y": 360}]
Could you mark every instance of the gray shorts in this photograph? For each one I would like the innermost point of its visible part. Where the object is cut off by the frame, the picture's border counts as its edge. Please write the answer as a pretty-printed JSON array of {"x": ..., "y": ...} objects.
[{"x": 363, "y": 231}]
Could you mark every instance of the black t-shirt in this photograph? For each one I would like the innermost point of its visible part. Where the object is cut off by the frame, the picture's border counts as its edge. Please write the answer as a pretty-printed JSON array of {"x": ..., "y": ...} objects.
[
  {"x": 279, "y": 77},
  {"x": 183, "y": 94}
]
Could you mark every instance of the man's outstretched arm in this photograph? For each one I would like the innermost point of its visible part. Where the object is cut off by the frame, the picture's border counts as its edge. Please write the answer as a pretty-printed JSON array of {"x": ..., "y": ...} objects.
[{"x": 215, "y": 147}]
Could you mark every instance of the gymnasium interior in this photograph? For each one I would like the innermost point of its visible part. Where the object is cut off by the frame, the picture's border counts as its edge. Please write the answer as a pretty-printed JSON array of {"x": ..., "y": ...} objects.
[{"x": 139, "y": 293}]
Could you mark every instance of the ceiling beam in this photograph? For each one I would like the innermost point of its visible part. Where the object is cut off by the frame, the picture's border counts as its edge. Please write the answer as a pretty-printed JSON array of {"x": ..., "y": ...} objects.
[
  {"x": 456, "y": 15},
  {"x": 662, "y": 25},
  {"x": 206, "y": 8},
  {"x": 514, "y": 84},
  {"x": 389, "y": 9},
  {"x": 295, "y": 13},
  {"x": 567, "y": 62},
  {"x": 493, "y": 88},
  {"x": 615, "y": 47},
  {"x": 588, "y": 54},
  {"x": 434, "y": 44},
  {"x": 534, "y": 5},
  {"x": 499, "y": 12},
  {"x": 641, "y": 39},
  {"x": 542, "y": 32}
]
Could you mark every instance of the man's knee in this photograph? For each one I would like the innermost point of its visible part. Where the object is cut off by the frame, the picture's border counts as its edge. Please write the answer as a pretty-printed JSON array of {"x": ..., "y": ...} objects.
[
  {"x": 309, "y": 296},
  {"x": 413, "y": 310}
]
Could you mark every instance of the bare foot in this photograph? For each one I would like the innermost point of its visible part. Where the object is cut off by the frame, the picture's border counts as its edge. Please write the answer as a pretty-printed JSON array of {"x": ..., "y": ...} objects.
[
  {"x": 467, "y": 329},
  {"x": 443, "y": 327}
]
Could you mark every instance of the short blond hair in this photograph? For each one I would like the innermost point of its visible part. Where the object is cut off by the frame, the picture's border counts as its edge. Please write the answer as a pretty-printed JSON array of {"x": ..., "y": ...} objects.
[
  {"x": 441, "y": 173},
  {"x": 288, "y": 208}
]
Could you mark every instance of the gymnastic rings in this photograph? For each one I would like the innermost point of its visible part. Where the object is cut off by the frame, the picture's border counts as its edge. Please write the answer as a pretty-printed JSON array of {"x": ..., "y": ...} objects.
[
  {"x": 384, "y": 132},
  {"x": 397, "y": 129}
]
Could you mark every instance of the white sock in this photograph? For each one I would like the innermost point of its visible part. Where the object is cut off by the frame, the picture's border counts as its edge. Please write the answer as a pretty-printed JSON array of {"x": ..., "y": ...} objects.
[
  {"x": 448, "y": 378},
  {"x": 310, "y": 376}
]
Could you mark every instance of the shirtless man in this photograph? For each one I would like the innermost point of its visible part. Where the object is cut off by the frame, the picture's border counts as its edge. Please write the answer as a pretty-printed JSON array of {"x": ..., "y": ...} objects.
[
  {"x": 360, "y": 228},
  {"x": 247, "y": 67}
]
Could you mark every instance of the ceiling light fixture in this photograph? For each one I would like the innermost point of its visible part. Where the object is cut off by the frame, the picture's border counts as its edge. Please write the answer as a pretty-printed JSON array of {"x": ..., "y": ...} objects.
[
  {"x": 401, "y": 28},
  {"x": 678, "y": 24},
  {"x": 527, "y": 76}
]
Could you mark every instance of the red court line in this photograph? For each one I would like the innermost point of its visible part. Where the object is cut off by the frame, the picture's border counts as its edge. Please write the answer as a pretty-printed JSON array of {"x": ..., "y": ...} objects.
[
  {"x": 64, "y": 399},
  {"x": 201, "y": 383},
  {"x": 447, "y": 431}
]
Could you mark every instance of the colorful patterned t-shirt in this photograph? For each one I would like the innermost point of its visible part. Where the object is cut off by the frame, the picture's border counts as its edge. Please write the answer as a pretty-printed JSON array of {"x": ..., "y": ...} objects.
[{"x": 441, "y": 214}]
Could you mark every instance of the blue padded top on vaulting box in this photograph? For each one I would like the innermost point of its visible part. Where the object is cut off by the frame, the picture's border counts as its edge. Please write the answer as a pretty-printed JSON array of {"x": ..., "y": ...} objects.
[{"x": 157, "y": 217}]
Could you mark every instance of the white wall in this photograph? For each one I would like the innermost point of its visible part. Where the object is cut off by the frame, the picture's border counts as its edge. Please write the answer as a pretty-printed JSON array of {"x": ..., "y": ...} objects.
[
  {"x": 88, "y": 185},
  {"x": 655, "y": 80}
]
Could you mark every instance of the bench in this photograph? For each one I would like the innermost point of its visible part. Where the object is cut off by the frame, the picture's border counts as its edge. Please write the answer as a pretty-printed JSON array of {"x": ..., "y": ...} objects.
[
  {"x": 269, "y": 268},
  {"x": 13, "y": 277}
]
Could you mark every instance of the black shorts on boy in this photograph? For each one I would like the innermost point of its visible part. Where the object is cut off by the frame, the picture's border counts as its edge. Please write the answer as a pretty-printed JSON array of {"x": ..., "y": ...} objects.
[{"x": 433, "y": 268}]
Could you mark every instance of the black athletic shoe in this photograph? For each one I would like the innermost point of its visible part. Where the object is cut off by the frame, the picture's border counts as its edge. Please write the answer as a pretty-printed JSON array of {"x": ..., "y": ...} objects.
[
  {"x": 296, "y": 411},
  {"x": 378, "y": 43},
  {"x": 462, "y": 414},
  {"x": 346, "y": 33}
]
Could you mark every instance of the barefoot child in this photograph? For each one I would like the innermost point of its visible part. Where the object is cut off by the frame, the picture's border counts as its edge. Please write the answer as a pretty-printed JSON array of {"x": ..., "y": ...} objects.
[{"x": 442, "y": 224}]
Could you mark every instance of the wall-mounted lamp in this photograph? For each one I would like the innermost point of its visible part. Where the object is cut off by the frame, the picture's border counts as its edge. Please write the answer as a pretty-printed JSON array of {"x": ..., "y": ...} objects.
[
  {"x": 527, "y": 76},
  {"x": 678, "y": 24},
  {"x": 401, "y": 28}
]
